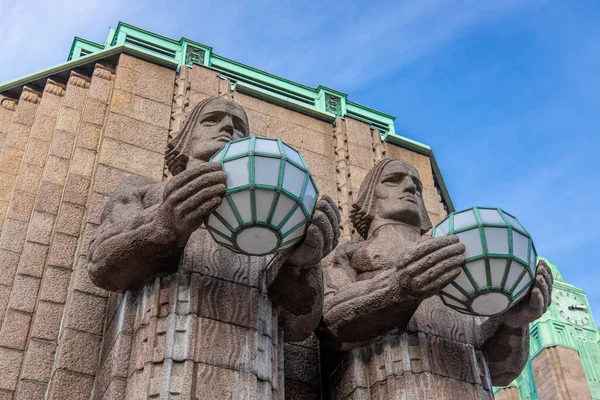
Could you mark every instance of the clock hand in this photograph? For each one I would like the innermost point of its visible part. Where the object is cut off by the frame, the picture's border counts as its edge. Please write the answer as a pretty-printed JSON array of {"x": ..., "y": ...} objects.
[{"x": 578, "y": 307}]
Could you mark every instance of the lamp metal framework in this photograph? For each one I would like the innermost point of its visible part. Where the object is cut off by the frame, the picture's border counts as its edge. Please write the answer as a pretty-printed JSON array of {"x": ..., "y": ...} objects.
[
  {"x": 500, "y": 261},
  {"x": 271, "y": 196}
]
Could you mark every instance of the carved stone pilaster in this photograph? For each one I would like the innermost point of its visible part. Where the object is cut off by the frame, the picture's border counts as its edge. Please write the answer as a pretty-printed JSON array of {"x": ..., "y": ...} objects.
[
  {"x": 225, "y": 89},
  {"x": 103, "y": 72},
  {"x": 180, "y": 107},
  {"x": 8, "y": 104},
  {"x": 54, "y": 88},
  {"x": 79, "y": 80},
  {"x": 29, "y": 95},
  {"x": 342, "y": 169},
  {"x": 379, "y": 152}
]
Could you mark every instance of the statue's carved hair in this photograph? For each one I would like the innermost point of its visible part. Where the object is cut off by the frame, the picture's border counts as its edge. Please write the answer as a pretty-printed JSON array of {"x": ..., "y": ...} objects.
[
  {"x": 363, "y": 210},
  {"x": 178, "y": 149}
]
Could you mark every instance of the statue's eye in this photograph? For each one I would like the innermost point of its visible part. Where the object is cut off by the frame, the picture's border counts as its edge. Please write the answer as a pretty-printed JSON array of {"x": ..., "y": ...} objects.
[{"x": 209, "y": 121}]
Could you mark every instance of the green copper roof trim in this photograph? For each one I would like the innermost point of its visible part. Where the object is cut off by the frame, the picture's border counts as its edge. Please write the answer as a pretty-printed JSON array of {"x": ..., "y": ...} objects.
[{"x": 323, "y": 103}]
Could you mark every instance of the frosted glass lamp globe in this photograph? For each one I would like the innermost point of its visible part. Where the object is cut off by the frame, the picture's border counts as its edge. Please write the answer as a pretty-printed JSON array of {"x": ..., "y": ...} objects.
[
  {"x": 270, "y": 197},
  {"x": 500, "y": 261}
]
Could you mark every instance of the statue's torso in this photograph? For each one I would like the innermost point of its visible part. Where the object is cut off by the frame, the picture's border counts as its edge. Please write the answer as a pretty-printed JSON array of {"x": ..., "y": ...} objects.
[
  {"x": 207, "y": 331},
  {"x": 435, "y": 357}
]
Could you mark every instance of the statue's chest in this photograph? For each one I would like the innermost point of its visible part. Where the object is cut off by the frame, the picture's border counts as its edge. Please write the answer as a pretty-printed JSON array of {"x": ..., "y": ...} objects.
[{"x": 377, "y": 255}]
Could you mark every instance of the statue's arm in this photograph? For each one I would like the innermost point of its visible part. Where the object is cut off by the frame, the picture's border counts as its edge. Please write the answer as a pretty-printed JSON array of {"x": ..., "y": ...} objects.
[
  {"x": 356, "y": 311},
  {"x": 359, "y": 310},
  {"x": 146, "y": 225},
  {"x": 506, "y": 337},
  {"x": 131, "y": 246}
]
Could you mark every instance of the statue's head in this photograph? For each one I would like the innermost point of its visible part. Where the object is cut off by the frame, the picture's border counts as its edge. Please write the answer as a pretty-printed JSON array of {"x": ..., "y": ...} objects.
[
  {"x": 391, "y": 191},
  {"x": 212, "y": 123}
]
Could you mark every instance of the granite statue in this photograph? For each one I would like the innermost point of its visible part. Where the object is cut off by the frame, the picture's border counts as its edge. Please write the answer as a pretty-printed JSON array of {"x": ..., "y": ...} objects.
[
  {"x": 208, "y": 320},
  {"x": 386, "y": 332}
]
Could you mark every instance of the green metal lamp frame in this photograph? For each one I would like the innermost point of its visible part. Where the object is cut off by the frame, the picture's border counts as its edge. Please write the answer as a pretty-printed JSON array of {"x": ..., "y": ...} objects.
[
  {"x": 529, "y": 267},
  {"x": 221, "y": 156}
]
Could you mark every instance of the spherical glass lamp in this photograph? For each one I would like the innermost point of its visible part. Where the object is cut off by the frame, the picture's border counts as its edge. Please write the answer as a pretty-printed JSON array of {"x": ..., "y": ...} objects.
[
  {"x": 270, "y": 197},
  {"x": 500, "y": 261}
]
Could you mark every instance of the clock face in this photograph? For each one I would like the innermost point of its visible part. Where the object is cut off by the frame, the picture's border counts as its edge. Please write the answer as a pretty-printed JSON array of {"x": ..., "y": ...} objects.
[{"x": 572, "y": 308}]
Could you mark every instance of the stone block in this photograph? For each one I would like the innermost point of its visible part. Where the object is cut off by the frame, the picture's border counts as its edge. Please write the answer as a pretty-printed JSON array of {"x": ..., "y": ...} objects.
[
  {"x": 204, "y": 80},
  {"x": 46, "y": 323},
  {"x": 115, "y": 390},
  {"x": 258, "y": 123},
  {"x": 86, "y": 313},
  {"x": 83, "y": 162},
  {"x": 285, "y": 130},
  {"x": 320, "y": 166},
  {"x": 15, "y": 330},
  {"x": 25, "y": 112},
  {"x": 301, "y": 391},
  {"x": 56, "y": 170},
  {"x": 10, "y": 160},
  {"x": 3, "y": 211},
  {"x": 86, "y": 238},
  {"x": 55, "y": 285},
  {"x": 8, "y": 267},
  {"x": 36, "y": 152},
  {"x": 30, "y": 390},
  {"x": 221, "y": 301},
  {"x": 137, "y": 133},
  {"x": 150, "y": 81},
  {"x": 358, "y": 133},
  {"x": 17, "y": 136},
  {"x": 48, "y": 198},
  {"x": 28, "y": 180},
  {"x": 361, "y": 156},
  {"x": 7, "y": 185},
  {"x": 228, "y": 383},
  {"x": 76, "y": 190},
  {"x": 13, "y": 235},
  {"x": 357, "y": 176},
  {"x": 68, "y": 120},
  {"x": 89, "y": 136},
  {"x": 24, "y": 294},
  {"x": 317, "y": 143},
  {"x": 33, "y": 259},
  {"x": 327, "y": 186},
  {"x": 132, "y": 159},
  {"x": 62, "y": 251},
  {"x": 96, "y": 207},
  {"x": 94, "y": 112},
  {"x": 21, "y": 206},
  {"x": 74, "y": 96},
  {"x": 67, "y": 385},
  {"x": 10, "y": 365},
  {"x": 142, "y": 109},
  {"x": 40, "y": 228},
  {"x": 302, "y": 364},
  {"x": 78, "y": 352},
  {"x": 38, "y": 360},
  {"x": 62, "y": 144},
  {"x": 69, "y": 219},
  {"x": 43, "y": 127},
  {"x": 234, "y": 352},
  {"x": 108, "y": 178}
]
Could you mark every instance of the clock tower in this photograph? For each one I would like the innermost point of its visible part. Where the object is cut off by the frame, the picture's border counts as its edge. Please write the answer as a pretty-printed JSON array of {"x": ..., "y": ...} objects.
[{"x": 564, "y": 360}]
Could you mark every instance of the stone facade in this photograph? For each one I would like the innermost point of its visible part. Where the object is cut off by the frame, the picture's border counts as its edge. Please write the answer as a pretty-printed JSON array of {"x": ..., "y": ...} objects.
[{"x": 64, "y": 148}]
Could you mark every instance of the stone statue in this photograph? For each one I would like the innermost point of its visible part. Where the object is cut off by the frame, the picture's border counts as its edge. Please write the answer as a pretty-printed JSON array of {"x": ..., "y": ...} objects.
[
  {"x": 208, "y": 320},
  {"x": 388, "y": 335}
]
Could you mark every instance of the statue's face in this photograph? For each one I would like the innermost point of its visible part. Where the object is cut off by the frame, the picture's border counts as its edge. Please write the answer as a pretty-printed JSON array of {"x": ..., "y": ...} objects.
[
  {"x": 221, "y": 122},
  {"x": 399, "y": 194}
]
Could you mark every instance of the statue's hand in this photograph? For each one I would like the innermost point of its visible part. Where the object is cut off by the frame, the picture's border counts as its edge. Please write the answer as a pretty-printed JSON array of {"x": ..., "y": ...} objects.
[
  {"x": 321, "y": 237},
  {"x": 190, "y": 197},
  {"x": 428, "y": 267},
  {"x": 534, "y": 305}
]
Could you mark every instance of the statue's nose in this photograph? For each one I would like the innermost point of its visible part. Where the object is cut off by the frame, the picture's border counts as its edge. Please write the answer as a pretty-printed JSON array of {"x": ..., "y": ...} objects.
[{"x": 227, "y": 124}]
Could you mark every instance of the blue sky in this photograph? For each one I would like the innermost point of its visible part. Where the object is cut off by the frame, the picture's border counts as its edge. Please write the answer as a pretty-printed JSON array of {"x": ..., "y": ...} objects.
[{"x": 505, "y": 92}]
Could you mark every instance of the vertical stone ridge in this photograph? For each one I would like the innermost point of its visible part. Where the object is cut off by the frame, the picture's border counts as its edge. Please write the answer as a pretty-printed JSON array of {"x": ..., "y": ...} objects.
[
  {"x": 379, "y": 152},
  {"x": 180, "y": 107},
  {"x": 28, "y": 140},
  {"x": 84, "y": 307},
  {"x": 225, "y": 89},
  {"x": 342, "y": 169}
]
